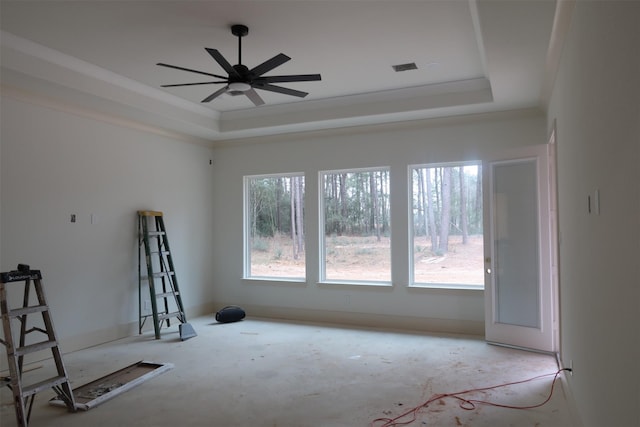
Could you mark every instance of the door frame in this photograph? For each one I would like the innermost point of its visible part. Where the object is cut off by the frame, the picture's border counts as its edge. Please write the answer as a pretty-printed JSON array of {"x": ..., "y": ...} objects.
[{"x": 545, "y": 338}]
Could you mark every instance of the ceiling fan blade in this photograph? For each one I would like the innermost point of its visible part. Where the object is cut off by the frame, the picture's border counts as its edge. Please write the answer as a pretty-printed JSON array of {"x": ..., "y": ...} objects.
[
  {"x": 215, "y": 94},
  {"x": 194, "y": 84},
  {"x": 190, "y": 70},
  {"x": 284, "y": 90},
  {"x": 270, "y": 64},
  {"x": 223, "y": 62},
  {"x": 295, "y": 78},
  {"x": 254, "y": 97}
]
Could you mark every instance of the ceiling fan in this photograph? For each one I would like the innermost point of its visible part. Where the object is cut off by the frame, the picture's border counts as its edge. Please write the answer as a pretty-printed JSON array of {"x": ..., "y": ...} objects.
[{"x": 244, "y": 81}]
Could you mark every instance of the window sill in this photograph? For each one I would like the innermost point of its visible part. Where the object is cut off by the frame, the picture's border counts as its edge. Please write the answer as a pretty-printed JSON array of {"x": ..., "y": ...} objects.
[
  {"x": 356, "y": 283},
  {"x": 456, "y": 286},
  {"x": 298, "y": 280}
]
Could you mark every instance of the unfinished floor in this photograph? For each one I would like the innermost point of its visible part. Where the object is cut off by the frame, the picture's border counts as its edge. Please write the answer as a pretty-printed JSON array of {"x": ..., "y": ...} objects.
[{"x": 261, "y": 372}]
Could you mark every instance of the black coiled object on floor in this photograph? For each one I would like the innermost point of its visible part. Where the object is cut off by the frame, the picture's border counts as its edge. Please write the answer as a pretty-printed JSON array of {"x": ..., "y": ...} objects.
[{"x": 230, "y": 314}]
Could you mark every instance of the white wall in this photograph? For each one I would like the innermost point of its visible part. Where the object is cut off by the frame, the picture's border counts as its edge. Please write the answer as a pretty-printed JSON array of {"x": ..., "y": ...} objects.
[
  {"x": 596, "y": 103},
  {"x": 56, "y": 163},
  {"x": 396, "y": 146}
]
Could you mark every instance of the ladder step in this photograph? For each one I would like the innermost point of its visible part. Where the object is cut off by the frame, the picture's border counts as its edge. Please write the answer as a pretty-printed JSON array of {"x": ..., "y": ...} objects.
[
  {"x": 159, "y": 274},
  {"x": 35, "y": 347},
  {"x": 165, "y": 316},
  {"x": 156, "y": 233},
  {"x": 167, "y": 294},
  {"x": 163, "y": 273},
  {"x": 161, "y": 252},
  {"x": 42, "y": 385},
  {"x": 17, "y": 312}
]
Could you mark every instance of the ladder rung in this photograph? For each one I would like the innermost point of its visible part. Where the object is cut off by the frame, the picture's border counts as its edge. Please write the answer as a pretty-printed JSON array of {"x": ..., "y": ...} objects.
[
  {"x": 158, "y": 275},
  {"x": 165, "y": 316},
  {"x": 156, "y": 233},
  {"x": 163, "y": 273},
  {"x": 35, "y": 347},
  {"x": 160, "y": 252},
  {"x": 42, "y": 385},
  {"x": 28, "y": 310},
  {"x": 167, "y": 294}
]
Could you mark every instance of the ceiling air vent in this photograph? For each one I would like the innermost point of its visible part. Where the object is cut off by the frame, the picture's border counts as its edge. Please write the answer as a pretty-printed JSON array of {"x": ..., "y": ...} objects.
[{"x": 405, "y": 67}]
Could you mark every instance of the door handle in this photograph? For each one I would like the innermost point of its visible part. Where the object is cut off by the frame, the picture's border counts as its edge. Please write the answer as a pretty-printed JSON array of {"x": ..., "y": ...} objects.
[{"x": 487, "y": 260}]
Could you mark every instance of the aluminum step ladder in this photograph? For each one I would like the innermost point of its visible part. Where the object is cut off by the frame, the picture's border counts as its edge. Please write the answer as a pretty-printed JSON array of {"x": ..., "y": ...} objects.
[
  {"x": 164, "y": 294},
  {"x": 23, "y": 394}
]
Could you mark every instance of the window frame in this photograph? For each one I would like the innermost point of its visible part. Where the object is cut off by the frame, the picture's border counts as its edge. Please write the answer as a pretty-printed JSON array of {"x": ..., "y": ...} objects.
[
  {"x": 410, "y": 229},
  {"x": 246, "y": 229},
  {"x": 322, "y": 247}
]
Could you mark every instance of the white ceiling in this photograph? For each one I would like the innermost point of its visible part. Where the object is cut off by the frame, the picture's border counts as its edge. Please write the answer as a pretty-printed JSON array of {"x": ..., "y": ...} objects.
[{"x": 472, "y": 56}]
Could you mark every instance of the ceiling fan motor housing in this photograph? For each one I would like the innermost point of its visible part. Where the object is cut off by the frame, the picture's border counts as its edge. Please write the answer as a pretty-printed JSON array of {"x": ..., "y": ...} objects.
[{"x": 243, "y": 71}]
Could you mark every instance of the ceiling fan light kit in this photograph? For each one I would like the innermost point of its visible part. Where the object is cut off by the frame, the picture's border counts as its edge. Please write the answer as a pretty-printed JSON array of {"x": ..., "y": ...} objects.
[
  {"x": 242, "y": 80},
  {"x": 239, "y": 86}
]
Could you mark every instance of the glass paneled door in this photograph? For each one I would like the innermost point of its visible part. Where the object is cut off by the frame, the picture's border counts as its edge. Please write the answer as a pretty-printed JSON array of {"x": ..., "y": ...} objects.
[{"x": 519, "y": 291}]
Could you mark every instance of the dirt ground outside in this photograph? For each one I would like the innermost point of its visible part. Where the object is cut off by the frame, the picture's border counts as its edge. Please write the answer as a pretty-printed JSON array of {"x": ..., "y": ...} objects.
[{"x": 367, "y": 259}]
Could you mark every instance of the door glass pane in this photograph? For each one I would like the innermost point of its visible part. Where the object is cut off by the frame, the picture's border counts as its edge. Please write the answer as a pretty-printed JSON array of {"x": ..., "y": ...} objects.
[{"x": 516, "y": 272}]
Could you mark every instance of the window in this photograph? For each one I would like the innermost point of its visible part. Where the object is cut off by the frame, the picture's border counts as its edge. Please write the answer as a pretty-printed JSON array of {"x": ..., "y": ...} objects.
[
  {"x": 274, "y": 226},
  {"x": 355, "y": 225},
  {"x": 447, "y": 239}
]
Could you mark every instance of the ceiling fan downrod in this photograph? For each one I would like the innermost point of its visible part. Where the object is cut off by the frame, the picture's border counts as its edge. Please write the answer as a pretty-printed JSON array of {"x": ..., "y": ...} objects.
[{"x": 240, "y": 31}]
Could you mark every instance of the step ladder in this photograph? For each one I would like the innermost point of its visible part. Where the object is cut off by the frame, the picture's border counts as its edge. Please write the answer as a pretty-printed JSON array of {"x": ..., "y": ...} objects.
[
  {"x": 164, "y": 294},
  {"x": 24, "y": 395}
]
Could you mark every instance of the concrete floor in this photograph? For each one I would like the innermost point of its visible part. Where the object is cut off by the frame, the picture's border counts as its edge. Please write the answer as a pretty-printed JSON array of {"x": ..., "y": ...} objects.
[{"x": 270, "y": 373}]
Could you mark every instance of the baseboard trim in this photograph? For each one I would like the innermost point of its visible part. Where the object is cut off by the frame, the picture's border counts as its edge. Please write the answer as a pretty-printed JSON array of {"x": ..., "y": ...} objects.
[
  {"x": 368, "y": 320},
  {"x": 567, "y": 389}
]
